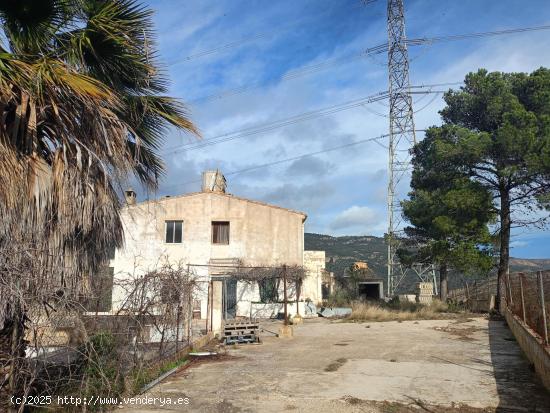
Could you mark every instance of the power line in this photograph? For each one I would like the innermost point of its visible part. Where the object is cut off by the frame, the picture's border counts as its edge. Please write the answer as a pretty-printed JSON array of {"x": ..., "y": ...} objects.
[
  {"x": 294, "y": 158},
  {"x": 251, "y": 38},
  {"x": 424, "y": 85},
  {"x": 294, "y": 74},
  {"x": 229, "y": 136},
  {"x": 369, "y": 52},
  {"x": 281, "y": 122},
  {"x": 436, "y": 39},
  {"x": 436, "y": 94},
  {"x": 432, "y": 100},
  {"x": 286, "y": 122}
]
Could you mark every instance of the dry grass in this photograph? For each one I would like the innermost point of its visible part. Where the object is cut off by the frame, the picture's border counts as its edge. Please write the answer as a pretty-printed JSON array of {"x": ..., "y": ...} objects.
[{"x": 408, "y": 311}]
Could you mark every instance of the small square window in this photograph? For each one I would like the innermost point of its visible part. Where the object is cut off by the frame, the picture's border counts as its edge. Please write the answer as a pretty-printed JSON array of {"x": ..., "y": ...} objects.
[
  {"x": 220, "y": 232},
  {"x": 174, "y": 231}
]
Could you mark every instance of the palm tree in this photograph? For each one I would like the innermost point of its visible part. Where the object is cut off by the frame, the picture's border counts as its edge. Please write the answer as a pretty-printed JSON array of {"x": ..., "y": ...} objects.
[{"x": 83, "y": 110}]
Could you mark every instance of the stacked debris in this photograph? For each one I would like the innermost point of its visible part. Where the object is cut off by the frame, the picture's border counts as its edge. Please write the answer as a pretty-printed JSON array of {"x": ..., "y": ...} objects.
[
  {"x": 334, "y": 312},
  {"x": 241, "y": 331},
  {"x": 425, "y": 293}
]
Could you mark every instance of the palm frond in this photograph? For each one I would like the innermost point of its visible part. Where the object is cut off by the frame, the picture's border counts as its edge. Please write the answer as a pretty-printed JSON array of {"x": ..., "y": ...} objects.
[
  {"x": 29, "y": 25},
  {"x": 82, "y": 109}
]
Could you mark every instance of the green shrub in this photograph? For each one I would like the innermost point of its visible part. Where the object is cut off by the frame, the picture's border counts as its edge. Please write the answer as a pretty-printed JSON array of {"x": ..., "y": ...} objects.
[
  {"x": 102, "y": 371},
  {"x": 145, "y": 375},
  {"x": 340, "y": 297},
  {"x": 98, "y": 373},
  {"x": 407, "y": 306}
]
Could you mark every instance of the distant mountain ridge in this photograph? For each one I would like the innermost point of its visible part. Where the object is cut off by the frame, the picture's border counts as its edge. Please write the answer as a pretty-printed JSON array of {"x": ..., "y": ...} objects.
[{"x": 342, "y": 251}]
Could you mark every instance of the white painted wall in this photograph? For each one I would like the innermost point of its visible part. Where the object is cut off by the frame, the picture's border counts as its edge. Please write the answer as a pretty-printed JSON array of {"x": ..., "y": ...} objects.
[
  {"x": 260, "y": 234},
  {"x": 314, "y": 264}
]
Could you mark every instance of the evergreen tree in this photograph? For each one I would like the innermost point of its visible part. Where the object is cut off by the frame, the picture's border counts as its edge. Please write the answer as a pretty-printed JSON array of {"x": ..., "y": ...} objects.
[
  {"x": 449, "y": 217},
  {"x": 496, "y": 138}
]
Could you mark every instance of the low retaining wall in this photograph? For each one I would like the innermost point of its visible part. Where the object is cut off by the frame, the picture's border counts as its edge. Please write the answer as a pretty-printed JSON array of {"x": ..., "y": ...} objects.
[
  {"x": 183, "y": 351},
  {"x": 531, "y": 344},
  {"x": 271, "y": 310},
  {"x": 195, "y": 345},
  {"x": 202, "y": 341}
]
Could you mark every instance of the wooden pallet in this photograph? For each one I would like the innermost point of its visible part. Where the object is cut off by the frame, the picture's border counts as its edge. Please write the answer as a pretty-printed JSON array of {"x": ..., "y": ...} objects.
[{"x": 241, "y": 331}]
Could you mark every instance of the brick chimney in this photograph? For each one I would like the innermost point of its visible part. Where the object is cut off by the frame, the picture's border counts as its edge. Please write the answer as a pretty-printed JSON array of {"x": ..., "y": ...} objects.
[{"x": 213, "y": 181}]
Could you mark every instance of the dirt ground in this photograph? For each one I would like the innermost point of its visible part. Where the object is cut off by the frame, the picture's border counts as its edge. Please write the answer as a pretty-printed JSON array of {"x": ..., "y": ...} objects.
[{"x": 461, "y": 365}]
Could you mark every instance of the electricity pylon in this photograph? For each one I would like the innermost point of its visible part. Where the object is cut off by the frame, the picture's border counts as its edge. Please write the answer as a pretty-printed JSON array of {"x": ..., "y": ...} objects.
[{"x": 402, "y": 140}]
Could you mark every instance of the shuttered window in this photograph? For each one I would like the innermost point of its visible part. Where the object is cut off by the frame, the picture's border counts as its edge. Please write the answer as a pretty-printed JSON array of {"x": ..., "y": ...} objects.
[
  {"x": 220, "y": 232},
  {"x": 174, "y": 230}
]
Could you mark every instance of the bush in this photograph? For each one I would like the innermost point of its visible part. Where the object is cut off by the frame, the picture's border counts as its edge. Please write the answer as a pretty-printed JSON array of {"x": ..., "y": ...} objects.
[
  {"x": 98, "y": 373},
  {"x": 409, "y": 306},
  {"x": 340, "y": 298},
  {"x": 102, "y": 372},
  {"x": 439, "y": 306},
  {"x": 396, "y": 311},
  {"x": 145, "y": 375}
]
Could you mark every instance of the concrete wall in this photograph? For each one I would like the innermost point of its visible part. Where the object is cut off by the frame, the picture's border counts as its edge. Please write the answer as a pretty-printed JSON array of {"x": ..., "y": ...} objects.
[
  {"x": 260, "y": 234},
  {"x": 314, "y": 264},
  {"x": 217, "y": 310},
  {"x": 247, "y": 293},
  {"x": 531, "y": 344},
  {"x": 249, "y": 305},
  {"x": 271, "y": 310}
]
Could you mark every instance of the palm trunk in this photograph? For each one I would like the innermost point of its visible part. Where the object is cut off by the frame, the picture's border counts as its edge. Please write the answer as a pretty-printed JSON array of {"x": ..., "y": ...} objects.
[
  {"x": 443, "y": 282},
  {"x": 505, "y": 224},
  {"x": 12, "y": 353},
  {"x": 5, "y": 365}
]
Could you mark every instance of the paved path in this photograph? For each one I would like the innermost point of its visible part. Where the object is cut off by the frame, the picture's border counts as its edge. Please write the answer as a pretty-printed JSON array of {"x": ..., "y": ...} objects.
[{"x": 464, "y": 365}]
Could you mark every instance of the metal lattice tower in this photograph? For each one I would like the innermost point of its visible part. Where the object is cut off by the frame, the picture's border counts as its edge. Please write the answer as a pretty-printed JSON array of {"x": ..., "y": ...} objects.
[{"x": 402, "y": 139}]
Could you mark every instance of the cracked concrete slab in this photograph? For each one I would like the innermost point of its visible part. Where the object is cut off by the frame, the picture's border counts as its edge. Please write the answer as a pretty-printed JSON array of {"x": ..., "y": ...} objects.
[{"x": 448, "y": 365}]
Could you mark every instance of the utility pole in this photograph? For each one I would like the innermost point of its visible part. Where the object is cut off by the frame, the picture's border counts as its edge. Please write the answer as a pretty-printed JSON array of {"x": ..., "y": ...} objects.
[
  {"x": 402, "y": 136},
  {"x": 402, "y": 139}
]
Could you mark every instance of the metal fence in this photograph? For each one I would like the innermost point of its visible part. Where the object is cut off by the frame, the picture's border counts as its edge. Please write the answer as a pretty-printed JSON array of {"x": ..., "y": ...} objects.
[
  {"x": 527, "y": 295},
  {"x": 476, "y": 295}
]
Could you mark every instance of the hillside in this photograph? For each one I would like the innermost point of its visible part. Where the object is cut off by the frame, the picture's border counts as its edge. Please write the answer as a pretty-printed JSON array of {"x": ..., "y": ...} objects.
[
  {"x": 343, "y": 251},
  {"x": 529, "y": 265}
]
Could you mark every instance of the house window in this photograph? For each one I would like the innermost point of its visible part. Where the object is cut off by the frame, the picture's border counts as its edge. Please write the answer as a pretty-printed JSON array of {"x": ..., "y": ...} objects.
[
  {"x": 174, "y": 231},
  {"x": 220, "y": 232}
]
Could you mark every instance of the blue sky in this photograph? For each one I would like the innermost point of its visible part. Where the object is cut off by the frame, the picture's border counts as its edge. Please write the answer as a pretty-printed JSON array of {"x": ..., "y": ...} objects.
[{"x": 213, "y": 47}]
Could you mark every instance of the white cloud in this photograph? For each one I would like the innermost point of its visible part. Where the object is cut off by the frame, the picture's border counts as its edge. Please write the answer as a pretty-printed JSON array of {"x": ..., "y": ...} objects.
[
  {"x": 518, "y": 244},
  {"x": 351, "y": 198},
  {"x": 357, "y": 220},
  {"x": 310, "y": 165}
]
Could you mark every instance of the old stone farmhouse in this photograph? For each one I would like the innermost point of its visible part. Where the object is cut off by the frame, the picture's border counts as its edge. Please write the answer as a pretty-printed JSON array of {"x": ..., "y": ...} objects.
[{"x": 209, "y": 232}]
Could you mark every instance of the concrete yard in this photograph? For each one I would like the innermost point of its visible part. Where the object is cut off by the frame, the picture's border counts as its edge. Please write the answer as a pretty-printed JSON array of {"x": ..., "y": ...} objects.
[{"x": 463, "y": 365}]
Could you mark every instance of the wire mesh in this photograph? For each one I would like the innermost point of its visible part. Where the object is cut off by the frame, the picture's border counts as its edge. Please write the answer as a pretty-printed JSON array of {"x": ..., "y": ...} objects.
[{"x": 526, "y": 295}]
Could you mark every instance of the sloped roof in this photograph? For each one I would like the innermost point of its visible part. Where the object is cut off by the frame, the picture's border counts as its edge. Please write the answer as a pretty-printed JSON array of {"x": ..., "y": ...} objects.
[{"x": 167, "y": 198}]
